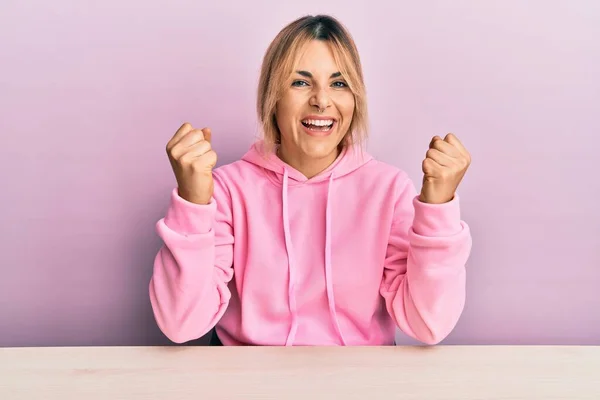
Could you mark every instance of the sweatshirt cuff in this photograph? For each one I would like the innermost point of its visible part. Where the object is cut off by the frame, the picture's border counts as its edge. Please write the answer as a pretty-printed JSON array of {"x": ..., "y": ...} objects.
[
  {"x": 437, "y": 220},
  {"x": 187, "y": 218}
]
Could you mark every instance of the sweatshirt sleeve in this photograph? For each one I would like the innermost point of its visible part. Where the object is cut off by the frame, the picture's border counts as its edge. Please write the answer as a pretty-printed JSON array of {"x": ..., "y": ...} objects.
[
  {"x": 189, "y": 286},
  {"x": 424, "y": 273}
]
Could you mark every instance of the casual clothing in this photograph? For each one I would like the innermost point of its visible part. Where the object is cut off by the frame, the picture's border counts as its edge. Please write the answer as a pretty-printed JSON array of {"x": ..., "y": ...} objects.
[{"x": 342, "y": 258}]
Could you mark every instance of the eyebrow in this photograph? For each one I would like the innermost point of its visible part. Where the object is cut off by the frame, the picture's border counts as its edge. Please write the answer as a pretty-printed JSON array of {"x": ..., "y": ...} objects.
[{"x": 309, "y": 75}]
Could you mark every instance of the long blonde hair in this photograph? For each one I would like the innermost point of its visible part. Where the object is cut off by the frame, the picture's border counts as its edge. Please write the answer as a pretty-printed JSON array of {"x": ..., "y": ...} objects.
[{"x": 279, "y": 62}]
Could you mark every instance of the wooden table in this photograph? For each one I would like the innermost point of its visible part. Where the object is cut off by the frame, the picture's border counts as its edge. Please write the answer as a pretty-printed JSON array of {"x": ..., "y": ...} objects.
[{"x": 185, "y": 372}]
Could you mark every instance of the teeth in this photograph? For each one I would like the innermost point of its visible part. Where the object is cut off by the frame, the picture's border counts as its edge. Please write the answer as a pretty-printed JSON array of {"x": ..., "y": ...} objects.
[{"x": 320, "y": 122}]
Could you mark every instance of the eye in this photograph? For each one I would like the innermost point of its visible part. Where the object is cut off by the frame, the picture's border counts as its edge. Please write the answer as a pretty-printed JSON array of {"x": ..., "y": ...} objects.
[
  {"x": 299, "y": 83},
  {"x": 340, "y": 84}
]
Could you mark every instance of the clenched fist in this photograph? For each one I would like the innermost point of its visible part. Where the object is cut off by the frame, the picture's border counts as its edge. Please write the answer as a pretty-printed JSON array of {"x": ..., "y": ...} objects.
[
  {"x": 193, "y": 159},
  {"x": 445, "y": 164}
]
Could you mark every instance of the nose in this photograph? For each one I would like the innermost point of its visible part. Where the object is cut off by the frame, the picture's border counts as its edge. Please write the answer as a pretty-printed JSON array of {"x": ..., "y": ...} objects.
[{"x": 320, "y": 99}]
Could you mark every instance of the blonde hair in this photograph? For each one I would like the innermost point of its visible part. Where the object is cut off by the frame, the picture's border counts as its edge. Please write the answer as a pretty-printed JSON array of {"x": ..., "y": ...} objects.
[{"x": 278, "y": 65}]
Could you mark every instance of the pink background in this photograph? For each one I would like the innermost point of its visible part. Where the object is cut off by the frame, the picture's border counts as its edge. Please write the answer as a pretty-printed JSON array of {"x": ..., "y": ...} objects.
[{"x": 90, "y": 93}]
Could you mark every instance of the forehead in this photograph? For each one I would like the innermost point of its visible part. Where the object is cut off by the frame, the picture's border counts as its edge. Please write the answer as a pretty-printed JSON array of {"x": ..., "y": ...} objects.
[{"x": 317, "y": 57}]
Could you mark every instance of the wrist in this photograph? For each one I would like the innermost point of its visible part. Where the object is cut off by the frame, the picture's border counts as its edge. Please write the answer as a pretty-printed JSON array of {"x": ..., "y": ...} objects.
[
  {"x": 193, "y": 198},
  {"x": 435, "y": 200}
]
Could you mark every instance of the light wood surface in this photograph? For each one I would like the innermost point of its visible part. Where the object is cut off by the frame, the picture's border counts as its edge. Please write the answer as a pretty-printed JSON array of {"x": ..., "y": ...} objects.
[{"x": 185, "y": 372}]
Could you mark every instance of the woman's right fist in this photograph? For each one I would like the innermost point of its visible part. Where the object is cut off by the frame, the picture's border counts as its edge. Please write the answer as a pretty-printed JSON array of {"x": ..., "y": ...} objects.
[{"x": 193, "y": 159}]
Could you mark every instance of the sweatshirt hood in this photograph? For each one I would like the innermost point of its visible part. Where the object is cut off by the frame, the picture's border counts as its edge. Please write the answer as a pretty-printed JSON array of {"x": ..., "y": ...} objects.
[{"x": 349, "y": 160}]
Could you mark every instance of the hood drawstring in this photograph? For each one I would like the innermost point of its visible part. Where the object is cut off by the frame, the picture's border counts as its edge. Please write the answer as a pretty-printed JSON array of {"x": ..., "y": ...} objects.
[
  {"x": 328, "y": 273},
  {"x": 292, "y": 263}
]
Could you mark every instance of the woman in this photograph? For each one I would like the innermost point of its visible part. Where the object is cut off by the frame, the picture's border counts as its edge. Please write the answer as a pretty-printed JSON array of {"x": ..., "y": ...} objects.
[{"x": 307, "y": 240}]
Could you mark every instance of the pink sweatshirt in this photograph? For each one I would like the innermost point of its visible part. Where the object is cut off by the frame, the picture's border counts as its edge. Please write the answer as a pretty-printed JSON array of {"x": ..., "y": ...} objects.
[{"x": 339, "y": 259}]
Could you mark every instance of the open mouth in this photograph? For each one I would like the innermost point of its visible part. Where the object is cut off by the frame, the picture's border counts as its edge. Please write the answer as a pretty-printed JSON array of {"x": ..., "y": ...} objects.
[{"x": 318, "y": 125}]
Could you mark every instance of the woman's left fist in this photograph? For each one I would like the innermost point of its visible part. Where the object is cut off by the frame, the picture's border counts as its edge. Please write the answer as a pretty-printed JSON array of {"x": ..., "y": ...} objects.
[{"x": 444, "y": 166}]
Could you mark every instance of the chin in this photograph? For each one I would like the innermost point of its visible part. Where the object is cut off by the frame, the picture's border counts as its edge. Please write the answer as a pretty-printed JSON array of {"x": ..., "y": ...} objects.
[{"x": 320, "y": 148}]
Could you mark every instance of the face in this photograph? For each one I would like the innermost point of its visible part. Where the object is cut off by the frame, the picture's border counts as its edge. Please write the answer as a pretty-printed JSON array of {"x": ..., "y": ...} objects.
[{"x": 316, "y": 84}]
